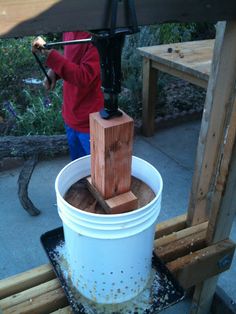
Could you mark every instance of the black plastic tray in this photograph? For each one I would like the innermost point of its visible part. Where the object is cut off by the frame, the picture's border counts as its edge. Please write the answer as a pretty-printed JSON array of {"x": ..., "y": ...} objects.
[{"x": 169, "y": 291}]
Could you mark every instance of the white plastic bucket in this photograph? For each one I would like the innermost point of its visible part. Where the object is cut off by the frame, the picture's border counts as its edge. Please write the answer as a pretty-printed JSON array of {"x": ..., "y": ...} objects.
[{"x": 109, "y": 255}]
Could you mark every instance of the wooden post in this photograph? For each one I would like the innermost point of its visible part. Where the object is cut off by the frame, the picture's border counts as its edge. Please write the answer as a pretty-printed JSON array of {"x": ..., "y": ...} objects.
[
  {"x": 149, "y": 97},
  {"x": 214, "y": 185},
  {"x": 111, "y": 154},
  {"x": 221, "y": 219},
  {"x": 218, "y": 109}
]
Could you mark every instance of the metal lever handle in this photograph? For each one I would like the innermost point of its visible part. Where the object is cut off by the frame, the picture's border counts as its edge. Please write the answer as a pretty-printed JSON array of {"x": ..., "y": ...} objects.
[
  {"x": 69, "y": 42},
  {"x": 42, "y": 68}
]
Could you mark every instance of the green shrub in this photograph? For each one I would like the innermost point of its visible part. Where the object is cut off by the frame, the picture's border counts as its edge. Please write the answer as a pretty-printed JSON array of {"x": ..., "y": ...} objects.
[
  {"x": 16, "y": 62},
  {"x": 176, "y": 32},
  {"x": 41, "y": 116},
  {"x": 21, "y": 103}
]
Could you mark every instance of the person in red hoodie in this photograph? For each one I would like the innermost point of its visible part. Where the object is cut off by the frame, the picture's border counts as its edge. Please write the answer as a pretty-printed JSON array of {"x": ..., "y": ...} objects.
[{"x": 79, "y": 68}]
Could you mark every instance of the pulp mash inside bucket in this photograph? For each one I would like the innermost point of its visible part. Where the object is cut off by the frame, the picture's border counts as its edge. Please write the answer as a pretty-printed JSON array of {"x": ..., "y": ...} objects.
[{"x": 80, "y": 197}]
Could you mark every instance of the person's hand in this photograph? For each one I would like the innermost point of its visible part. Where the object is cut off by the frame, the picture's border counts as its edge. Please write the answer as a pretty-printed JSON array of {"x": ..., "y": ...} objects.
[
  {"x": 38, "y": 46},
  {"x": 53, "y": 78}
]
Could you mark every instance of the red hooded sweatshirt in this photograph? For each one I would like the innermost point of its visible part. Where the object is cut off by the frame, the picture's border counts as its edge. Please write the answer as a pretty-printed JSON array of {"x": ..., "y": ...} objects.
[{"x": 80, "y": 70}]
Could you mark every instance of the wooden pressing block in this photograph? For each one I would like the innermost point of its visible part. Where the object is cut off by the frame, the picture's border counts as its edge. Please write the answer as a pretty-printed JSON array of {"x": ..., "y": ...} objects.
[
  {"x": 124, "y": 202},
  {"x": 111, "y": 154}
]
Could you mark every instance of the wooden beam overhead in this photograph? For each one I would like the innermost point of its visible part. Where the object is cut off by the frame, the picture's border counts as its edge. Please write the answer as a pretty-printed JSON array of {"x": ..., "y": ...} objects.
[{"x": 33, "y": 17}]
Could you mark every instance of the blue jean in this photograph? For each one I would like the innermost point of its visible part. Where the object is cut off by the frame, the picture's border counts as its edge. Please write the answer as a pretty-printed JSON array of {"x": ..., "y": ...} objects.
[{"x": 79, "y": 143}]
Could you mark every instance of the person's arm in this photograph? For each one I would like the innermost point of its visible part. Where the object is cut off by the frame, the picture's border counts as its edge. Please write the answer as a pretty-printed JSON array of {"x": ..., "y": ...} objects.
[
  {"x": 38, "y": 46},
  {"x": 82, "y": 74}
]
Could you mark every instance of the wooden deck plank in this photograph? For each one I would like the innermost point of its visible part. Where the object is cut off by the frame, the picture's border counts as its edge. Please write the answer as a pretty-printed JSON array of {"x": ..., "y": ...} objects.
[
  {"x": 171, "y": 225},
  {"x": 178, "y": 244},
  {"x": 181, "y": 247},
  {"x": 181, "y": 234},
  {"x": 29, "y": 294},
  {"x": 25, "y": 280},
  {"x": 41, "y": 304},
  {"x": 205, "y": 263}
]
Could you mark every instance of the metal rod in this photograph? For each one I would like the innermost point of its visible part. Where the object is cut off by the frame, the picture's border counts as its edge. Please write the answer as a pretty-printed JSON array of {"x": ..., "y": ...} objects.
[
  {"x": 69, "y": 42},
  {"x": 42, "y": 68}
]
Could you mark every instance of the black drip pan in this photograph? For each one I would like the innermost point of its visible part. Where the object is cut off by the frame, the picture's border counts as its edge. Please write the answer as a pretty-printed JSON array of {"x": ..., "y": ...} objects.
[{"x": 168, "y": 292}]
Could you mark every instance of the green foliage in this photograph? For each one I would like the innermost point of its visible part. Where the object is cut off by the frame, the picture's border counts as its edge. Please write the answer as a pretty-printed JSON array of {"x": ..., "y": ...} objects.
[
  {"x": 21, "y": 103},
  {"x": 176, "y": 32},
  {"x": 17, "y": 64},
  {"x": 16, "y": 60},
  {"x": 42, "y": 115}
]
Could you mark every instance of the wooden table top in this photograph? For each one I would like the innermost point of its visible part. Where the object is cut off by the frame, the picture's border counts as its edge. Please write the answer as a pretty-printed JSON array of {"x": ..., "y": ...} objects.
[{"x": 192, "y": 57}]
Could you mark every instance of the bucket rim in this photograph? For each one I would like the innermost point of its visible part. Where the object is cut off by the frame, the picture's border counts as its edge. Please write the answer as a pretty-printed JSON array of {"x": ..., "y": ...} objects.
[{"x": 108, "y": 216}]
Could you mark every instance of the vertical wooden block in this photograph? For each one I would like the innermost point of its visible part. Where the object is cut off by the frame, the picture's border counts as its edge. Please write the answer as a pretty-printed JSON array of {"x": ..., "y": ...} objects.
[{"x": 111, "y": 154}]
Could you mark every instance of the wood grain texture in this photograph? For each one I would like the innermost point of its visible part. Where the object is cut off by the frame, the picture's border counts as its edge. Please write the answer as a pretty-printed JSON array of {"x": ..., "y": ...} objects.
[
  {"x": 220, "y": 222},
  {"x": 172, "y": 225},
  {"x": 48, "y": 295},
  {"x": 202, "y": 264},
  {"x": 26, "y": 146},
  {"x": 122, "y": 203},
  {"x": 111, "y": 154},
  {"x": 216, "y": 140},
  {"x": 26, "y": 280},
  {"x": 217, "y": 125},
  {"x": 31, "y": 17},
  {"x": 193, "y": 58},
  {"x": 116, "y": 205},
  {"x": 79, "y": 196},
  {"x": 180, "y": 243},
  {"x": 149, "y": 94}
]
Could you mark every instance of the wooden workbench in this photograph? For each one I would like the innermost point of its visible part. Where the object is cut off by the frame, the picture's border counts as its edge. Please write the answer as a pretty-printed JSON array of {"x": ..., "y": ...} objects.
[{"x": 190, "y": 61}]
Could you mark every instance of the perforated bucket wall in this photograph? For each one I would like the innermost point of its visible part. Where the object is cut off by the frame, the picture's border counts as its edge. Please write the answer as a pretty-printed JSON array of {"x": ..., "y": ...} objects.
[{"x": 109, "y": 255}]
